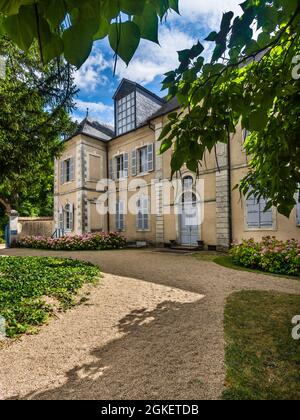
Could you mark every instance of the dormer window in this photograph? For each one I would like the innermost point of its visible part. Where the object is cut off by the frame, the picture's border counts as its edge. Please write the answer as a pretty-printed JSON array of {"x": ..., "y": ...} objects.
[{"x": 126, "y": 114}]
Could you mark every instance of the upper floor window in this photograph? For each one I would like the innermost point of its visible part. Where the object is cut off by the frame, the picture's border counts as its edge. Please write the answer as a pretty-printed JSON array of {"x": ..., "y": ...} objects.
[
  {"x": 118, "y": 167},
  {"x": 257, "y": 217},
  {"x": 143, "y": 160},
  {"x": 67, "y": 170},
  {"x": 126, "y": 114}
]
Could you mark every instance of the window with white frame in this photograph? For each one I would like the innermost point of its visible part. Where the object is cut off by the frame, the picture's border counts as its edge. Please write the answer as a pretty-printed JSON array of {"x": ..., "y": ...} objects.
[
  {"x": 257, "y": 217},
  {"x": 66, "y": 217},
  {"x": 120, "y": 216},
  {"x": 126, "y": 114},
  {"x": 143, "y": 160},
  {"x": 143, "y": 213},
  {"x": 67, "y": 171},
  {"x": 118, "y": 166}
]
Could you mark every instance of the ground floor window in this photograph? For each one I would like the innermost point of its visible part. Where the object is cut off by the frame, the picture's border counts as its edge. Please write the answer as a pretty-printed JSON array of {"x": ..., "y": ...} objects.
[
  {"x": 120, "y": 216},
  {"x": 66, "y": 217},
  {"x": 143, "y": 213},
  {"x": 257, "y": 217}
]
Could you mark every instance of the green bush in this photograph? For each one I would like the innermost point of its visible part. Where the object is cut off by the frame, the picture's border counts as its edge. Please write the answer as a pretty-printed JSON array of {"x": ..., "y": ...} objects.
[
  {"x": 270, "y": 255},
  {"x": 26, "y": 282},
  {"x": 89, "y": 241}
]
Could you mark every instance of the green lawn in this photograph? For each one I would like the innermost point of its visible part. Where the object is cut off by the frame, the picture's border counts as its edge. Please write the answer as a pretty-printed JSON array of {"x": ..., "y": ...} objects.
[
  {"x": 262, "y": 359},
  {"x": 27, "y": 283},
  {"x": 226, "y": 261}
]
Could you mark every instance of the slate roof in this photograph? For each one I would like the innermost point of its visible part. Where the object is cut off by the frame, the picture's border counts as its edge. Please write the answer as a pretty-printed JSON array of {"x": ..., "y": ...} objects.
[{"x": 95, "y": 129}]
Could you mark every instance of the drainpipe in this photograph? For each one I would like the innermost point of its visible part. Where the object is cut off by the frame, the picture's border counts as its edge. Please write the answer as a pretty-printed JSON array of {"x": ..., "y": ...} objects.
[{"x": 107, "y": 176}]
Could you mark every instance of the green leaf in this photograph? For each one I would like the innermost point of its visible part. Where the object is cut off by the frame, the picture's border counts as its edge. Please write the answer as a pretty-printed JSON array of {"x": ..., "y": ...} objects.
[
  {"x": 148, "y": 24},
  {"x": 81, "y": 35},
  {"x": 11, "y": 7},
  {"x": 124, "y": 39},
  {"x": 55, "y": 12},
  {"x": 20, "y": 27},
  {"x": 133, "y": 7}
]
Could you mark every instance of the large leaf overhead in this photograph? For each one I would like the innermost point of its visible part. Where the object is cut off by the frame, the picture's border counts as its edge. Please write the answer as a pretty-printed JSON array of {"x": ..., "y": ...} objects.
[{"x": 71, "y": 26}]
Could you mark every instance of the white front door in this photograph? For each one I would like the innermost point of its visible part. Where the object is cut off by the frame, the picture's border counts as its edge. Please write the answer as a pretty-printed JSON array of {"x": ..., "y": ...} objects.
[{"x": 189, "y": 224}]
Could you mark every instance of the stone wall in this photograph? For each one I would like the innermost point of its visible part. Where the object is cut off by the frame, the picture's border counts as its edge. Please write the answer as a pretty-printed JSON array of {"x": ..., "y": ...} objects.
[
  {"x": 222, "y": 200},
  {"x": 35, "y": 226}
]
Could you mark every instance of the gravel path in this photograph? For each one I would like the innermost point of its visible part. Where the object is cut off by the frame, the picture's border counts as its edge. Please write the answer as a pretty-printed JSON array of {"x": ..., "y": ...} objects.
[{"x": 153, "y": 329}]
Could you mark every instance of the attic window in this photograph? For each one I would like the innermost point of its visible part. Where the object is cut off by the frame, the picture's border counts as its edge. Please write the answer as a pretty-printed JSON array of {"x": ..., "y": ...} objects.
[{"x": 125, "y": 114}]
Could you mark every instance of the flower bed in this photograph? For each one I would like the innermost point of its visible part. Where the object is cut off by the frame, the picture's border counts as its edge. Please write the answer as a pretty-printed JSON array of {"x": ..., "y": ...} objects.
[
  {"x": 270, "y": 255},
  {"x": 90, "y": 241}
]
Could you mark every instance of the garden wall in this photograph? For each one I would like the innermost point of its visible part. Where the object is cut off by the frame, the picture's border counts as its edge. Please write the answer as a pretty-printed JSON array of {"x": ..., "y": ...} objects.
[{"x": 35, "y": 226}]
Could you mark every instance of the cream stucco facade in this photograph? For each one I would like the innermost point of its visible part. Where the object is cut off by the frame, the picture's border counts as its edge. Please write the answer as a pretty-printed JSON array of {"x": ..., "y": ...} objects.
[{"x": 95, "y": 154}]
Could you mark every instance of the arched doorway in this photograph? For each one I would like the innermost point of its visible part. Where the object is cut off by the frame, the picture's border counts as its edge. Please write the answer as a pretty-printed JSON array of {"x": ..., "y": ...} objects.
[{"x": 189, "y": 218}]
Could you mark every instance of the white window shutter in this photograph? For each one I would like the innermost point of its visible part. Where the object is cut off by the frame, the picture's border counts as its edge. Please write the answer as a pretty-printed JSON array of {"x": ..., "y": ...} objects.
[
  {"x": 252, "y": 213},
  {"x": 150, "y": 155},
  {"x": 145, "y": 213},
  {"x": 125, "y": 165},
  {"x": 62, "y": 172},
  {"x": 134, "y": 163},
  {"x": 266, "y": 217},
  {"x": 298, "y": 210},
  {"x": 72, "y": 169},
  {"x": 111, "y": 169},
  {"x": 61, "y": 218},
  {"x": 72, "y": 217}
]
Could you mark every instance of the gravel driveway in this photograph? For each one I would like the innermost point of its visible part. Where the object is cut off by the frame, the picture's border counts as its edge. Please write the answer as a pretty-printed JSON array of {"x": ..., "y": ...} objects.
[{"x": 153, "y": 329}]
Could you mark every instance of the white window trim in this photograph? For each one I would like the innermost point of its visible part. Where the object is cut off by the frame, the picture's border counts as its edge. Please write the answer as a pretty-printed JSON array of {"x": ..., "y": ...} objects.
[
  {"x": 118, "y": 214},
  {"x": 142, "y": 197},
  {"x": 274, "y": 228},
  {"x": 74, "y": 164},
  {"x": 137, "y": 149}
]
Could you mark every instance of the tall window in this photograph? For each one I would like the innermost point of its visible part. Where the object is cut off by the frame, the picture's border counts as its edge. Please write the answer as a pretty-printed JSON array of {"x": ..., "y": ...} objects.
[
  {"x": 143, "y": 213},
  {"x": 68, "y": 217},
  {"x": 257, "y": 217},
  {"x": 67, "y": 170},
  {"x": 143, "y": 160},
  {"x": 120, "y": 216},
  {"x": 125, "y": 114}
]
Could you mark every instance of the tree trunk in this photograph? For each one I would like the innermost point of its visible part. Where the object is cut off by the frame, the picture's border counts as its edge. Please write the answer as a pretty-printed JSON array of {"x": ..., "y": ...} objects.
[{"x": 6, "y": 205}]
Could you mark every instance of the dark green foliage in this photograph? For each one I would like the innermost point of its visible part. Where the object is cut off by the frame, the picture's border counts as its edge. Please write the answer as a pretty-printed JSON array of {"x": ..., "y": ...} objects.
[
  {"x": 25, "y": 282},
  {"x": 249, "y": 82},
  {"x": 35, "y": 101},
  {"x": 70, "y": 27}
]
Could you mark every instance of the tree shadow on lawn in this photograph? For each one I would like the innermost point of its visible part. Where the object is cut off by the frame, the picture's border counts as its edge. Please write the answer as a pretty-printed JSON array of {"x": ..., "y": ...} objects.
[{"x": 171, "y": 352}]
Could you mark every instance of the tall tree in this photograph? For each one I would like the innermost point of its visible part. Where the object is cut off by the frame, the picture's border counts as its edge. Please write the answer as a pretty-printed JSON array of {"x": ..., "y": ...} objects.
[
  {"x": 35, "y": 101},
  {"x": 252, "y": 79}
]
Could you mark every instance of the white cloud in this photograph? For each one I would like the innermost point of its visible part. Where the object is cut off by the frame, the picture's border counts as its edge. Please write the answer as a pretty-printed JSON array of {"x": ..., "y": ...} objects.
[
  {"x": 97, "y": 111},
  {"x": 90, "y": 75},
  {"x": 206, "y": 12},
  {"x": 153, "y": 60}
]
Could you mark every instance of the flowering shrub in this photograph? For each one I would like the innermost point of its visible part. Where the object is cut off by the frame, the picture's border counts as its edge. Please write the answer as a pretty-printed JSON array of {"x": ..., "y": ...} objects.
[
  {"x": 89, "y": 241},
  {"x": 270, "y": 255}
]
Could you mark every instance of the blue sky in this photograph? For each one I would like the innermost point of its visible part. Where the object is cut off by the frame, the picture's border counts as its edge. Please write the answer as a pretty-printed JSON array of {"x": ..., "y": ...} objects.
[{"x": 95, "y": 78}]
